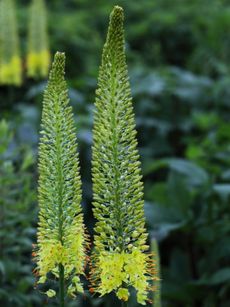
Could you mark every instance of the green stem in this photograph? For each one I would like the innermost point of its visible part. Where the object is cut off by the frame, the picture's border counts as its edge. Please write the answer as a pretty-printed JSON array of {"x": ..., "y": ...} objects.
[
  {"x": 116, "y": 159},
  {"x": 60, "y": 209},
  {"x": 61, "y": 286},
  {"x": 124, "y": 304}
]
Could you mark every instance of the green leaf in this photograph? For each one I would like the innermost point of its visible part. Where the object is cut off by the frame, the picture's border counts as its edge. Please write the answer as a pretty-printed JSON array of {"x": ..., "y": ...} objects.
[
  {"x": 194, "y": 174},
  {"x": 2, "y": 267},
  {"x": 221, "y": 276},
  {"x": 222, "y": 189}
]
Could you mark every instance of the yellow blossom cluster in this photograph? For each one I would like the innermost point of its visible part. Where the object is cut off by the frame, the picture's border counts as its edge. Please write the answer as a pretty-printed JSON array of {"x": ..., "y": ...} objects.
[
  {"x": 38, "y": 63},
  {"x": 10, "y": 71},
  {"x": 38, "y": 54},
  {"x": 118, "y": 271},
  {"x": 52, "y": 253},
  {"x": 10, "y": 61}
]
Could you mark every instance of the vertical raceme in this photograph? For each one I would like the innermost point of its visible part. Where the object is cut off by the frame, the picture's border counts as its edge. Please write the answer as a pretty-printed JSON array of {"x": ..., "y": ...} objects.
[
  {"x": 10, "y": 61},
  {"x": 38, "y": 54},
  {"x": 60, "y": 251},
  {"x": 120, "y": 259}
]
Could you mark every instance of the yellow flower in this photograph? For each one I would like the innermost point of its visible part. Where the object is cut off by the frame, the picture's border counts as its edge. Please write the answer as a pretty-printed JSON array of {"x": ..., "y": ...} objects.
[
  {"x": 118, "y": 271},
  {"x": 50, "y": 293},
  {"x": 51, "y": 253},
  {"x": 123, "y": 294}
]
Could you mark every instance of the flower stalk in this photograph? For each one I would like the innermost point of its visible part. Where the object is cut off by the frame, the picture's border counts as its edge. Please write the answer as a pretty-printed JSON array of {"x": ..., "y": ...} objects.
[
  {"x": 60, "y": 252},
  {"x": 157, "y": 282},
  {"x": 10, "y": 61},
  {"x": 120, "y": 259},
  {"x": 38, "y": 54},
  {"x": 61, "y": 286}
]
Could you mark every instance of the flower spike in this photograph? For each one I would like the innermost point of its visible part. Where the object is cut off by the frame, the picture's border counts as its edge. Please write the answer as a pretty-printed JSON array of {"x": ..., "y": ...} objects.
[
  {"x": 38, "y": 55},
  {"x": 10, "y": 61},
  {"x": 157, "y": 282},
  {"x": 61, "y": 247},
  {"x": 120, "y": 259}
]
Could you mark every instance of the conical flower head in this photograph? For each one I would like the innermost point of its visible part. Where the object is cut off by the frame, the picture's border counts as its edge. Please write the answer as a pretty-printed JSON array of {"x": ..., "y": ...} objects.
[
  {"x": 38, "y": 55},
  {"x": 61, "y": 236},
  {"x": 10, "y": 61},
  {"x": 120, "y": 259}
]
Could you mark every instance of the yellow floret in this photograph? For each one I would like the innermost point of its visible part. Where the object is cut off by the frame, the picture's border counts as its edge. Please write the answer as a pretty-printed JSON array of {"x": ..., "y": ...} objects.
[
  {"x": 51, "y": 253},
  {"x": 123, "y": 294},
  {"x": 118, "y": 271}
]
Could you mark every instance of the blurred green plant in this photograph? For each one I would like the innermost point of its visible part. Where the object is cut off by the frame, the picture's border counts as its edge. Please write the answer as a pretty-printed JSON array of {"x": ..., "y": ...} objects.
[
  {"x": 10, "y": 61},
  {"x": 17, "y": 203},
  {"x": 38, "y": 54},
  {"x": 191, "y": 206},
  {"x": 157, "y": 282}
]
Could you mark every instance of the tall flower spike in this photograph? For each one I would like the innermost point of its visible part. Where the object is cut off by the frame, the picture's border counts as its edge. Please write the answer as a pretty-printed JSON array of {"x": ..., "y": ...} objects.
[
  {"x": 61, "y": 237},
  {"x": 38, "y": 56},
  {"x": 10, "y": 61},
  {"x": 157, "y": 282},
  {"x": 119, "y": 259}
]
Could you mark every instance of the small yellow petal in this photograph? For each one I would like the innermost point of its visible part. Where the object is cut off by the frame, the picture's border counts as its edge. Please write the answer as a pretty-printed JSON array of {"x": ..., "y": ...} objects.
[
  {"x": 50, "y": 293},
  {"x": 123, "y": 294}
]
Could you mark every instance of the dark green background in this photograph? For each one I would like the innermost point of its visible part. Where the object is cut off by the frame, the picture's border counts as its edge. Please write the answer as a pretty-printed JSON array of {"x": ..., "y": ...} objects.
[{"x": 178, "y": 53}]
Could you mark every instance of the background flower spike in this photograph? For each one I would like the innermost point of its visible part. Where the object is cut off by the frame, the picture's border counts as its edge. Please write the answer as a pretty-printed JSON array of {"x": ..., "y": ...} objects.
[
  {"x": 38, "y": 54},
  {"x": 61, "y": 246},
  {"x": 10, "y": 61},
  {"x": 119, "y": 260},
  {"x": 157, "y": 282}
]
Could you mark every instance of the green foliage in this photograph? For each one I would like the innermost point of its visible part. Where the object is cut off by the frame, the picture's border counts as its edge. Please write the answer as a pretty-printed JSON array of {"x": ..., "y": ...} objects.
[
  {"x": 61, "y": 239},
  {"x": 191, "y": 206},
  {"x": 17, "y": 203}
]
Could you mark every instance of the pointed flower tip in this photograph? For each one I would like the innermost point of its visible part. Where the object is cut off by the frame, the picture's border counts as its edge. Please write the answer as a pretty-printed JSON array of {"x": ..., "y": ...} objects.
[
  {"x": 58, "y": 66},
  {"x": 117, "y": 9},
  {"x": 59, "y": 56},
  {"x": 117, "y": 13}
]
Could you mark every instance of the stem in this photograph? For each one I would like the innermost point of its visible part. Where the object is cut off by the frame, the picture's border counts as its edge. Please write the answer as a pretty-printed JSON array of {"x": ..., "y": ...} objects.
[
  {"x": 124, "y": 304},
  {"x": 60, "y": 209},
  {"x": 61, "y": 286},
  {"x": 117, "y": 188}
]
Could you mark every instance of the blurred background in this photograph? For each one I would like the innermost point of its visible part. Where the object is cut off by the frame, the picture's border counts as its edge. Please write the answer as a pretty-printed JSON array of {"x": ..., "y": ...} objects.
[{"x": 178, "y": 54}]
